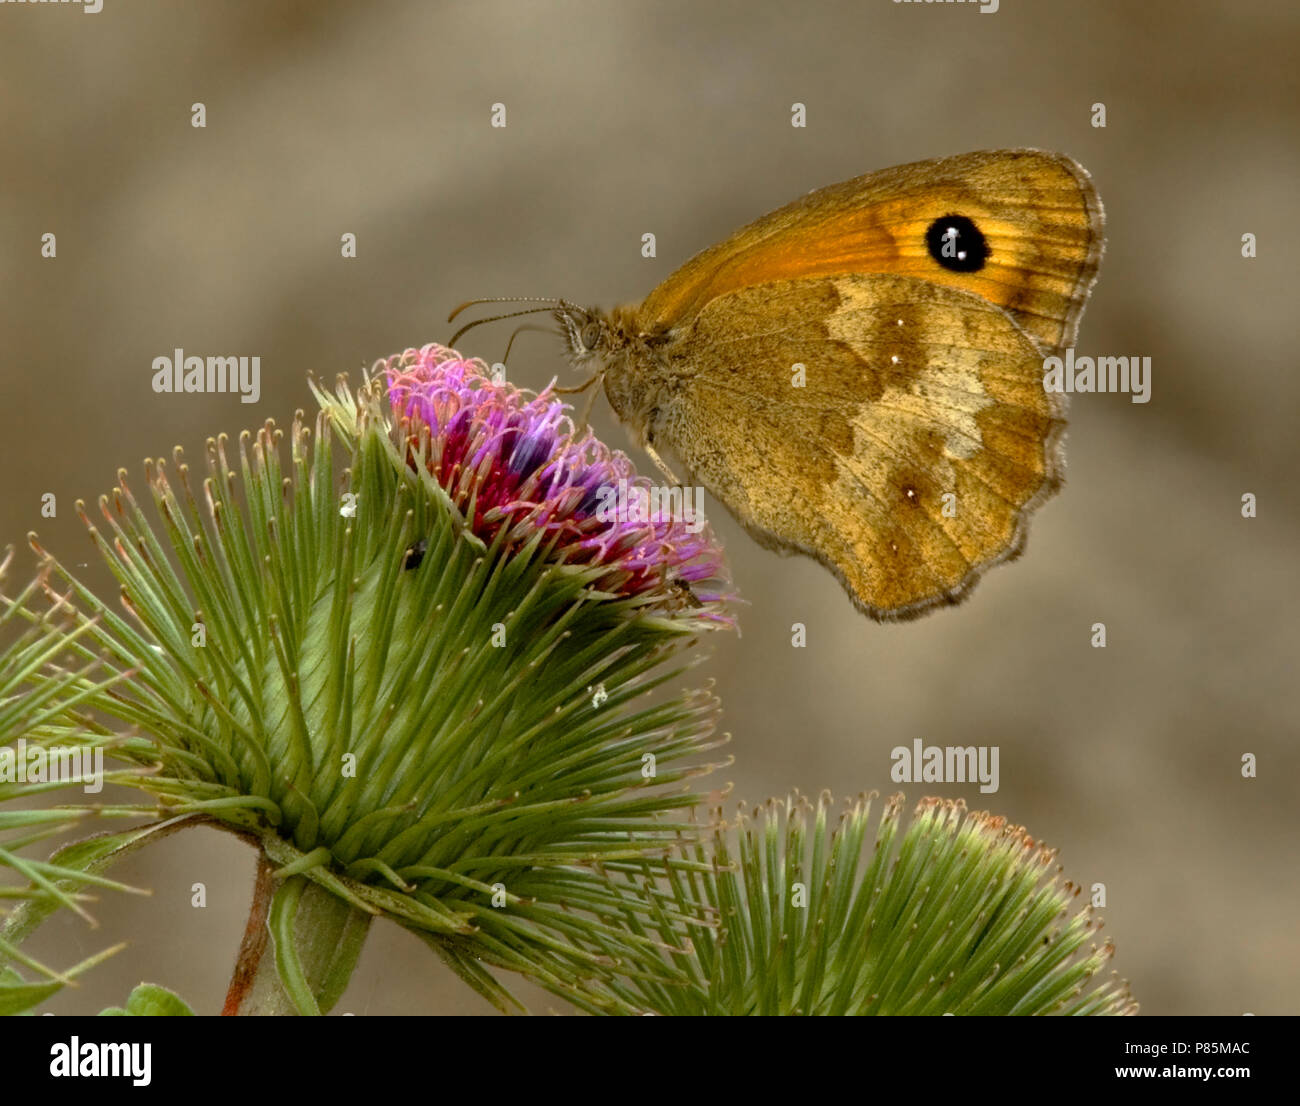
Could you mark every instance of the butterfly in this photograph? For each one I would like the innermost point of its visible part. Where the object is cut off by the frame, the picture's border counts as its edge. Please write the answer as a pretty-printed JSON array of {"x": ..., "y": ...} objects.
[{"x": 858, "y": 376}]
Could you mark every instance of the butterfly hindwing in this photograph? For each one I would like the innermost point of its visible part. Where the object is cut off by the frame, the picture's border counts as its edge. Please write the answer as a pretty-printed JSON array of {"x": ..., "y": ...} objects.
[{"x": 907, "y": 453}]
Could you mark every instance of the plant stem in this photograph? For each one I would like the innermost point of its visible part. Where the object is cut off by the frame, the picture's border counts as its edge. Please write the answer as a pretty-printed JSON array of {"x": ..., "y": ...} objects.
[
  {"x": 325, "y": 932},
  {"x": 254, "y": 943}
]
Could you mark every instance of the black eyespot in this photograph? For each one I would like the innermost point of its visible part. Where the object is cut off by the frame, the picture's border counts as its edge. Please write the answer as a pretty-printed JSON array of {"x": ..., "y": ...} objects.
[
  {"x": 590, "y": 335},
  {"x": 957, "y": 244},
  {"x": 415, "y": 554}
]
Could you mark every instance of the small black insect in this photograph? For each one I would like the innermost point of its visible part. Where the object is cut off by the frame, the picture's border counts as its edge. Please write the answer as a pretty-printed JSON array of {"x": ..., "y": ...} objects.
[
  {"x": 685, "y": 597},
  {"x": 415, "y": 554}
]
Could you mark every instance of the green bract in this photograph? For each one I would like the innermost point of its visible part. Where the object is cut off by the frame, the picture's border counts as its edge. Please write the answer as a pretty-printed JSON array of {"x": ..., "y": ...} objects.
[{"x": 963, "y": 915}]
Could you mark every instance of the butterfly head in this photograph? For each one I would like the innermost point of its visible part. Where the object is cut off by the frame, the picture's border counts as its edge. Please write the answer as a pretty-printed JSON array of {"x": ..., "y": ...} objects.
[
  {"x": 587, "y": 333},
  {"x": 614, "y": 348}
]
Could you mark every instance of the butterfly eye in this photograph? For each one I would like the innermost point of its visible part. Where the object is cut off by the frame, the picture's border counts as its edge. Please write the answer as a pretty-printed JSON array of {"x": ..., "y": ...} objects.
[
  {"x": 957, "y": 244},
  {"x": 590, "y": 335}
]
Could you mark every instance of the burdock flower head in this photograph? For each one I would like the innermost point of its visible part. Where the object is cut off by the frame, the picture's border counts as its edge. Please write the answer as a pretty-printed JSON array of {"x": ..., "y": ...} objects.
[
  {"x": 413, "y": 668},
  {"x": 514, "y": 469}
]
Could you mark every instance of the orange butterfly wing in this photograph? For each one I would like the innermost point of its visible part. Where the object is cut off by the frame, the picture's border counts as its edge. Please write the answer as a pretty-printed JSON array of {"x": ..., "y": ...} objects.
[{"x": 1037, "y": 211}]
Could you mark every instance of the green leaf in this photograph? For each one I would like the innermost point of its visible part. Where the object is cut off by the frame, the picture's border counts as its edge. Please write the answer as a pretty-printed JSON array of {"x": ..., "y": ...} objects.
[
  {"x": 317, "y": 938},
  {"x": 149, "y": 1000},
  {"x": 76, "y": 865},
  {"x": 17, "y": 995}
]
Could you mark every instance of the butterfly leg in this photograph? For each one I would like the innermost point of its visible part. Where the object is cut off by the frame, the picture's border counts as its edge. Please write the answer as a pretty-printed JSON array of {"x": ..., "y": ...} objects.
[
  {"x": 578, "y": 388},
  {"x": 660, "y": 465},
  {"x": 595, "y": 378}
]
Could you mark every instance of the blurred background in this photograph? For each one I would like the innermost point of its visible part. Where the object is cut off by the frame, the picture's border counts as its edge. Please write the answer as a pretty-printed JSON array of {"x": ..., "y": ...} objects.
[{"x": 325, "y": 118}]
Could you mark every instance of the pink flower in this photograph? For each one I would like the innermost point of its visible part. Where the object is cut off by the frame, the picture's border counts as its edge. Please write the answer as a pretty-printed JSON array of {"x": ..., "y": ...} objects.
[{"x": 511, "y": 460}]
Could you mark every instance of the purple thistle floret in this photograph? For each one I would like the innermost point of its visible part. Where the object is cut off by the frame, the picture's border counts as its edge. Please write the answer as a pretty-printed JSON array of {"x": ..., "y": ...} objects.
[{"x": 511, "y": 461}]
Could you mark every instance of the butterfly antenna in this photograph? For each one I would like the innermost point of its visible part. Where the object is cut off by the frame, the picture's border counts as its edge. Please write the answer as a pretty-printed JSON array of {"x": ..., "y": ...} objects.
[
  {"x": 505, "y": 299},
  {"x": 551, "y": 306}
]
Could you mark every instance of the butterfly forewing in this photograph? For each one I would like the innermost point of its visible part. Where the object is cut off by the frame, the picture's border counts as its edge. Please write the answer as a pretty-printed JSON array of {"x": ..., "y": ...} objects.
[{"x": 1037, "y": 213}]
